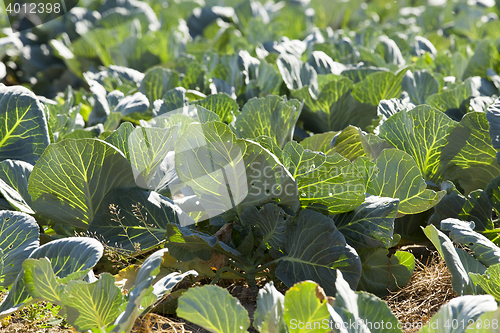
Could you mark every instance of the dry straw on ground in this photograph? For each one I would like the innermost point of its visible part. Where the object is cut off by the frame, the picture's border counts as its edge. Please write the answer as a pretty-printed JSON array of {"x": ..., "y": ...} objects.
[{"x": 428, "y": 289}]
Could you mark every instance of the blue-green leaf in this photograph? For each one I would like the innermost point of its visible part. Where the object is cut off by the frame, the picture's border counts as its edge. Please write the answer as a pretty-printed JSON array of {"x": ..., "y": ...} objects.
[{"x": 24, "y": 133}]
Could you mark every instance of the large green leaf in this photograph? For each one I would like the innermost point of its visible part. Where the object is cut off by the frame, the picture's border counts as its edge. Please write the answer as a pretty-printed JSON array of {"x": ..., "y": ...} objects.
[
  {"x": 314, "y": 249},
  {"x": 214, "y": 309},
  {"x": 72, "y": 177},
  {"x": 18, "y": 238},
  {"x": 378, "y": 86},
  {"x": 24, "y": 133},
  {"x": 361, "y": 308},
  {"x": 421, "y": 132},
  {"x": 271, "y": 116},
  {"x": 399, "y": 177},
  {"x": 92, "y": 305},
  {"x": 357, "y": 74},
  {"x": 331, "y": 181},
  {"x": 469, "y": 158},
  {"x": 222, "y": 105},
  {"x": 67, "y": 256},
  {"x": 41, "y": 282},
  {"x": 226, "y": 173},
  {"x": 157, "y": 82},
  {"x": 14, "y": 177},
  {"x": 133, "y": 216},
  {"x": 383, "y": 273},
  {"x": 306, "y": 304},
  {"x": 461, "y": 313},
  {"x": 369, "y": 225}
]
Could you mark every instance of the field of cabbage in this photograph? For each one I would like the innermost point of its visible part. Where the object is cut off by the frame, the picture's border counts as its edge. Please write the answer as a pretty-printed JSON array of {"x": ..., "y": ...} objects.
[{"x": 153, "y": 153}]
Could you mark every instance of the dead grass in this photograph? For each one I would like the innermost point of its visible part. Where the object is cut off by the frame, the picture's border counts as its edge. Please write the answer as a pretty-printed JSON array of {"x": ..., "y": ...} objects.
[
  {"x": 428, "y": 289},
  {"x": 152, "y": 322}
]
